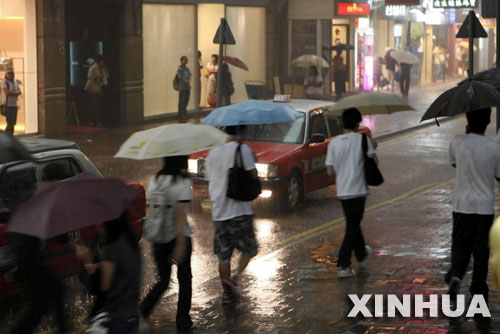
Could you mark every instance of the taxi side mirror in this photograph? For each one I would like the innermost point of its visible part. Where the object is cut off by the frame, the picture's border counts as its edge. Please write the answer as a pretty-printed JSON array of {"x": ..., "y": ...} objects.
[{"x": 317, "y": 138}]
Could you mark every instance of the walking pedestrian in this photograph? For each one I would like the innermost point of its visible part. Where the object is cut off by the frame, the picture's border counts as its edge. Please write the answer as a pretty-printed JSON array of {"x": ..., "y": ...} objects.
[
  {"x": 43, "y": 288},
  {"x": 212, "y": 69},
  {"x": 227, "y": 85},
  {"x": 120, "y": 271},
  {"x": 313, "y": 84},
  {"x": 184, "y": 77},
  {"x": 390, "y": 66},
  {"x": 439, "y": 61},
  {"x": 477, "y": 162},
  {"x": 10, "y": 96},
  {"x": 345, "y": 161},
  {"x": 377, "y": 72},
  {"x": 404, "y": 78},
  {"x": 339, "y": 75},
  {"x": 169, "y": 195},
  {"x": 233, "y": 219}
]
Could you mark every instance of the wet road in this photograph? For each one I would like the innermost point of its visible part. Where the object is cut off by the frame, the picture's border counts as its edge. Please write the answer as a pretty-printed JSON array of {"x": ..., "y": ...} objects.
[{"x": 291, "y": 287}]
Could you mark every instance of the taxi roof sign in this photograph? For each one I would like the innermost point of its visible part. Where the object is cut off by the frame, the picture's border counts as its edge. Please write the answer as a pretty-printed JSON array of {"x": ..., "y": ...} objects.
[{"x": 282, "y": 98}]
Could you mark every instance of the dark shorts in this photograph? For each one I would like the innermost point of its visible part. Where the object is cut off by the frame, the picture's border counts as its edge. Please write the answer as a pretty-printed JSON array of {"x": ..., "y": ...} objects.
[{"x": 234, "y": 233}]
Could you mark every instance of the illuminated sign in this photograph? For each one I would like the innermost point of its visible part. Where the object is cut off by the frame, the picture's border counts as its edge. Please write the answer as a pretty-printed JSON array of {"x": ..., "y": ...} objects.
[
  {"x": 353, "y": 9},
  {"x": 395, "y": 10},
  {"x": 403, "y": 2},
  {"x": 454, "y": 3}
]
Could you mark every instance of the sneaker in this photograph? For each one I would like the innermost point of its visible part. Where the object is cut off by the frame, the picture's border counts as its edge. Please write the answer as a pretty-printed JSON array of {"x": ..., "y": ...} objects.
[
  {"x": 194, "y": 325},
  {"x": 345, "y": 272},
  {"x": 368, "y": 251},
  {"x": 454, "y": 286},
  {"x": 228, "y": 298},
  {"x": 235, "y": 287}
]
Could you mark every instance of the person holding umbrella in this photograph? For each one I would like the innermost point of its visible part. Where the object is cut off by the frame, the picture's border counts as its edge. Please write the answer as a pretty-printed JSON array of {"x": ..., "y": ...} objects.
[
  {"x": 313, "y": 84},
  {"x": 120, "y": 273},
  {"x": 233, "y": 219},
  {"x": 404, "y": 78},
  {"x": 477, "y": 162},
  {"x": 169, "y": 194}
]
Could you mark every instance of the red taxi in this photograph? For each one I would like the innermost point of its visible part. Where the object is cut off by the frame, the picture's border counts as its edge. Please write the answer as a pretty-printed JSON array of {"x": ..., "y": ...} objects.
[
  {"x": 17, "y": 176},
  {"x": 290, "y": 156}
]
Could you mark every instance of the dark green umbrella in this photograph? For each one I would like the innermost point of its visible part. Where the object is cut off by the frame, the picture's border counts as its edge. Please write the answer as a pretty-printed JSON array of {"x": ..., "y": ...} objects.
[
  {"x": 11, "y": 149},
  {"x": 468, "y": 96}
]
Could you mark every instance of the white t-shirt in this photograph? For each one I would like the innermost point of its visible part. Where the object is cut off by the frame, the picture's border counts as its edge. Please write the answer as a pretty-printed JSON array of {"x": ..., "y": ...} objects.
[
  {"x": 12, "y": 86},
  {"x": 345, "y": 156},
  {"x": 179, "y": 190},
  {"x": 212, "y": 67},
  {"x": 218, "y": 163},
  {"x": 313, "y": 90},
  {"x": 477, "y": 160}
]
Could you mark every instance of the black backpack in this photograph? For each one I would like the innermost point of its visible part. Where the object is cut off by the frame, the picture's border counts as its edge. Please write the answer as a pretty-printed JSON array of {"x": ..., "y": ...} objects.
[
  {"x": 241, "y": 186},
  {"x": 176, "y": 82}
]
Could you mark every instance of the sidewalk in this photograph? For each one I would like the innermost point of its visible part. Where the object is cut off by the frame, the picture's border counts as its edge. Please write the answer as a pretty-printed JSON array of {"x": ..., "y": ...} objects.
[{"x": 420, "y": 98}]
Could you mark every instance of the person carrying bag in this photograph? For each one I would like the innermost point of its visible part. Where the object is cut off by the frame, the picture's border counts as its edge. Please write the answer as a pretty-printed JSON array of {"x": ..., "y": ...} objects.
[{"x": 241, "y": 185}]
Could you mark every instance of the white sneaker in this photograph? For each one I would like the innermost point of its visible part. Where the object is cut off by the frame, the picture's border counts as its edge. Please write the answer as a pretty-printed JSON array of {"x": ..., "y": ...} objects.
[
  {"x": 345, "y": 272},
  {"x": 362, "y": 264}
]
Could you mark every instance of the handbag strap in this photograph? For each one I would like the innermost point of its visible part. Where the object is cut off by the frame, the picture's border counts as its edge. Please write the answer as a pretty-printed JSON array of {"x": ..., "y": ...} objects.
[
  {"x": 237, "y": 157},
  {"x": 364, "y": 144}
]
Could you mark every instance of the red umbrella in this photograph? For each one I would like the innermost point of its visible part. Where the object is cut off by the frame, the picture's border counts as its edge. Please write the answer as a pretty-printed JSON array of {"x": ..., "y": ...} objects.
[
  {"x": 236, "y": 62},
  {"x": 71, "y": 204}
]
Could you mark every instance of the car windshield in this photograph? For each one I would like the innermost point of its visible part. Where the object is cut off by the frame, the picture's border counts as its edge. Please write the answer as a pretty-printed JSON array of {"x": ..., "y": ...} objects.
[{"x": 289, "y": 133}]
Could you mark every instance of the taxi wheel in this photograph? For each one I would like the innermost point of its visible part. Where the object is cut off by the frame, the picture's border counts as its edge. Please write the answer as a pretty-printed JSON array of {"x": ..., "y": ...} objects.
[{"x": 294, "y": 191}]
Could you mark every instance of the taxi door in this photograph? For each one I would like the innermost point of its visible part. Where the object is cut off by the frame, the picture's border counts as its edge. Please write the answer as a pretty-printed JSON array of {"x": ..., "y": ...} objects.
[{"x": 315, "y": 153}]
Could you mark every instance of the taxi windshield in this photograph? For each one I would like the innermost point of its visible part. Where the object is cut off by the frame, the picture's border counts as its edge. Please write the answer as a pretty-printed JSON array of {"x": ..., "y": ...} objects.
[{"x": 289, "y": 133}]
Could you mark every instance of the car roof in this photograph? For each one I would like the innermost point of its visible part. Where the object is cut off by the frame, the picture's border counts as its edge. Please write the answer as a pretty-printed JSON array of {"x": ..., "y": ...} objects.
[
  {"x": 307, "y": 105},
  {"x": 38, "y": 145}
]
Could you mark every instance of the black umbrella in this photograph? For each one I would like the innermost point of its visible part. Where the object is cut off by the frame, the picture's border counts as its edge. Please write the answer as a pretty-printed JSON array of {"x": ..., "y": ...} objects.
[
  {"x": 342, "y": 47},
  {"x": 11, "y": 149},
  {"x": 491, "y": 77},
  {"x": 468, "y": 96}
]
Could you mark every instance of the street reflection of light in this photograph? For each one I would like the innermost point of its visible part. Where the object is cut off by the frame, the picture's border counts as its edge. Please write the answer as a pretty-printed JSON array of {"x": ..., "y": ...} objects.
[
  {"x": 266, "y": 194},
  {"x": 264, "y": 270},
  {"x": 264, "y": 228}
]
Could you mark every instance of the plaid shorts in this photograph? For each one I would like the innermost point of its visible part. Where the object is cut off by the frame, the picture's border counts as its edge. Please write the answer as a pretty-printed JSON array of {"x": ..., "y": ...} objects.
[{"x": 234, "y": 233}]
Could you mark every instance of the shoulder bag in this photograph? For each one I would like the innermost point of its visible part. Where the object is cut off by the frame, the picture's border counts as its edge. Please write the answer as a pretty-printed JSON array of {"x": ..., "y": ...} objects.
[
  {"x": 241, "y": 186},
  {"x": 372, "y": 173}
]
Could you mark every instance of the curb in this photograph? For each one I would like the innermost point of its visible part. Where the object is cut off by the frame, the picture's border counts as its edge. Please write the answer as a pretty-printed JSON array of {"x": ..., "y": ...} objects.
[{"x": 389, "y": 135}]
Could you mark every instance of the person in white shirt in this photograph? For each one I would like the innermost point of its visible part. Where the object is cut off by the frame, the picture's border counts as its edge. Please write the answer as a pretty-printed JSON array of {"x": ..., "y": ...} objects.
[
  {"x": 212, "y": 69},
  {"x": 477, "y": 162},
  {"x": 233, "y": 219},
  {"x": 345, "y": 161},
  {"x": 10, "y": 95},
  {"x": 313, "y": 84},
  {"x": 173, "y": 245}
]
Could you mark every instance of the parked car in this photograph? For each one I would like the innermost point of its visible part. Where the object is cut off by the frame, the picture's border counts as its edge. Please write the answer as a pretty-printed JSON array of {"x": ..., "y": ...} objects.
[
  {"x": 290, "y": 156},
  {"x": 17, "y": 176}
]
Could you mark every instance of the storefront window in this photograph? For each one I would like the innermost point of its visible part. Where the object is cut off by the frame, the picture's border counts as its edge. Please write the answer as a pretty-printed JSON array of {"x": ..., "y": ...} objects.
[
  {"x": 168, "y": 34},
  {"x": 18, "y": 50},
  {"x": 209, "y": 16},
  {"x": 248, "y": 25}
]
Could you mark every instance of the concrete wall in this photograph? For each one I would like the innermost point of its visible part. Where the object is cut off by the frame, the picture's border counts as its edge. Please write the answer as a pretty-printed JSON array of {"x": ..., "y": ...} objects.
[{"x": 51, "y": 67}]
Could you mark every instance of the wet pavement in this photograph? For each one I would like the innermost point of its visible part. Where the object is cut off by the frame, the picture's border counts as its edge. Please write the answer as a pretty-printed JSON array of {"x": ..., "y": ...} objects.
[{"x": 292, "y": 285}]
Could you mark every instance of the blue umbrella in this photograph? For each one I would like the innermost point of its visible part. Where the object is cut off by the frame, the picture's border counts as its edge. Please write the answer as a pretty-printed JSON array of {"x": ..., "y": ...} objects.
[{"x": 252, "y": 112}]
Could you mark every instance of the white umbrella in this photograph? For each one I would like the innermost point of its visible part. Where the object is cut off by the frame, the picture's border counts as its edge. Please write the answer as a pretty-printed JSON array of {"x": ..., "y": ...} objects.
[
  {"x": 309, "y": 60},
  {"x": 405, "y": 57},
  {"x": 171, "y": 140},
  {"x": 371, "y": 104}
]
